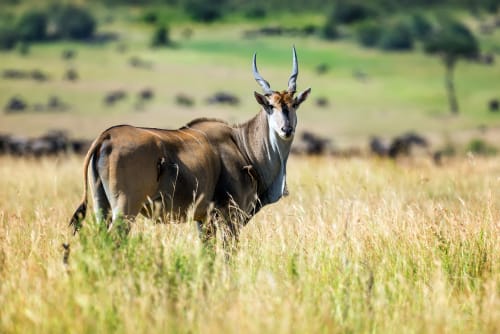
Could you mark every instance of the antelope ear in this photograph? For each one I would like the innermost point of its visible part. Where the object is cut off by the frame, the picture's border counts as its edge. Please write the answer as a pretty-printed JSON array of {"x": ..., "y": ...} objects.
[
  {"x": 261, "y": 99},
  {"x": 302, "y": 97}
]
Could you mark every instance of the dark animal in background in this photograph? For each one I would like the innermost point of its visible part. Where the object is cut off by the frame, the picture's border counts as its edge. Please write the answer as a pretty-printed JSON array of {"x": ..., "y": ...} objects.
[
  {"x": 79, "y": 146},
  {"x": 486, "y": 59},
  {"x": 114, "y": 96},
  {"x": 378, "y": 147},
  {"x": 272, "y": 31},
  {"x": 322, "y": 69},
  {"x": 4, "y": 143},
  {"x": 437, "y": 157},
  {"x": 68, "y": 54},
  {"x": 494, "y": 105},
  {"x": 140, "y": 63},
  {"x": 15, "y": 104},
  {"x": 55, "y": 104},
  {"x": 222, "y": 174},
  {"x": 14, "y": 74},
  {"x": 38, "y": 75},
  {"x": 71, "y": 75},
  {"x": 184, "y": 100},
  {"x": 322, "y": 102},
  {"x": 314, "y": 144},
  {"x": 401, "y": 145},
  {"x": 52, "y": 143},
  {"x": 17, "y": 146},
  {"x": 280, "y": 31},
  {"x": 146, "y": 94},
  {"x": 223, "y": 98},
  {"x": 41, "y": 147}
]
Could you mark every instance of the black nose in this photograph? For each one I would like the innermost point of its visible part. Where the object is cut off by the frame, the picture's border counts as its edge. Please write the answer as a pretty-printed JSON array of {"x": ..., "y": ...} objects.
[{"x": 287, "y": 130}]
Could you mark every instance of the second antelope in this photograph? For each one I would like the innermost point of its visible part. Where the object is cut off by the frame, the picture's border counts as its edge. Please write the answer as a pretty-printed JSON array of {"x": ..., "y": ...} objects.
[{"x": 220, "y": 174}]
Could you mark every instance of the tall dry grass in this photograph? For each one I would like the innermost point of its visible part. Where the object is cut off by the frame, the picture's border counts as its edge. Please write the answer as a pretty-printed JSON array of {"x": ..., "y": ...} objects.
[{"x": 358, "y": 246}]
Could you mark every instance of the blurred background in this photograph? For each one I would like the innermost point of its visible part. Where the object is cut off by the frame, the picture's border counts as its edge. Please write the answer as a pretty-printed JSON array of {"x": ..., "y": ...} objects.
[{"x": 385, "y": 74}]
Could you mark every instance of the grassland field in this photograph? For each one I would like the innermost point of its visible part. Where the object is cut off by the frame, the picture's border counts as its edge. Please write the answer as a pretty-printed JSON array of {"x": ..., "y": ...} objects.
[{"x": 360, "y": 245}]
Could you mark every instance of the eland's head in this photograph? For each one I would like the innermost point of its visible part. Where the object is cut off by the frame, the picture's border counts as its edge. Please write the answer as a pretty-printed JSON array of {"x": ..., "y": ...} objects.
[{"x": 281, "y": 106}]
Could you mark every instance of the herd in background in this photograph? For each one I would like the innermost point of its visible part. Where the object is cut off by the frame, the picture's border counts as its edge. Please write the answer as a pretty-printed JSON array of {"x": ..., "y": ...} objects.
[
  {"x": 54, "y": 103},
  {"x": 51, "y": 144},
  {"x": 17, "y": 104},
  {"x": 57, "y": 143}
]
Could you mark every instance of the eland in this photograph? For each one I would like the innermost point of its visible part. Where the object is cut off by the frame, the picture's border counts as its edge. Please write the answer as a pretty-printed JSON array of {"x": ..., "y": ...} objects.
[{"x": 217, "y": 174}]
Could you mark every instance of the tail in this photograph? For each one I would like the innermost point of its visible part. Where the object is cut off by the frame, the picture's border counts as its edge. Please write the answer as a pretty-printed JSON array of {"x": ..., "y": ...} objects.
[{"x": 81, "y": 211}]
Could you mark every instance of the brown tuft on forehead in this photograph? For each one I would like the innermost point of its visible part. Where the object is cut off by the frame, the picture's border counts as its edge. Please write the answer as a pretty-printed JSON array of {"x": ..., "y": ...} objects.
[{"x": 281, "y": 97}]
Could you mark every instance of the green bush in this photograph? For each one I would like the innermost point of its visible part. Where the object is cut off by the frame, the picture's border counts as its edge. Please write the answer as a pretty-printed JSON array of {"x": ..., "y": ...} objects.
[
  {"x": 350, "y": 12},
  {"x": 480, "y": 147},
  {"x": 368, "y": 33},
  {"x": 73, "y": 22},
  {"x": 8, "y": 37},
  {"x": 150, "y": 17},
  {"x": 205, "y": 10},
  {"x": 330, "y": 31},
  {"x": 420, "y": 26},
  {"x": 255, "y": 12},
  {"x": 396, "y": 37},
  {"x": 32, "y": 26}
]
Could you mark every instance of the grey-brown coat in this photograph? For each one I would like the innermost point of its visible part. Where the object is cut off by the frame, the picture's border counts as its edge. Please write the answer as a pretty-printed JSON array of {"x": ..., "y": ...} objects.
[{"x": 208, "y": 169}]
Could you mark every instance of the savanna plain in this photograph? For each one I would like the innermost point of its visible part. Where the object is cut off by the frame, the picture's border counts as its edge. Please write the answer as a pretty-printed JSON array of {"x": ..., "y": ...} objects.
[{"x": 360, "y": 245}]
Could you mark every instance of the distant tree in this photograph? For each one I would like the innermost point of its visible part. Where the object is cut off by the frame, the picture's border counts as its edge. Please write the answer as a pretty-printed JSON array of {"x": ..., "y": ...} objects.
[
  {"x": 73, "y": 22},
  {"x": 330, "y": 29},
  {"x": 396, "y": 37},
  {"x": 255, "y": 12},
  {"x": 347, "y": 12},
  {"x": 368, "y": 33},
  {"x": 32, "y": 26},
  {"x": 150, "y": 17},
  {"x": 161, "y": 37},
  {"x": 420, "y": 26},
  {"x": 205, "y": 10},
  {"x": 8, "y": 37},
  {"x": 452, "y": 42}
]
